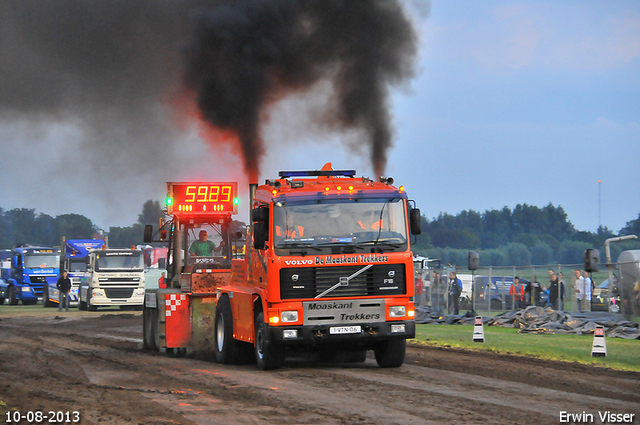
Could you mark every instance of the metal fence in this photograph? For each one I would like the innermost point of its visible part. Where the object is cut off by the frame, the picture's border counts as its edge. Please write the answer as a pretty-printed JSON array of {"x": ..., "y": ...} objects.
[{"x": 432, "y": 289}]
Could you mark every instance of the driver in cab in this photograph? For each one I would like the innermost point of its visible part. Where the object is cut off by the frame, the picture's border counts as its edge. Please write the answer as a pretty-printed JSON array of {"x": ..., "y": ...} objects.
[
  {"x": 290, "y": 229},
  {"x": 371, "y": 221},
  {"x": 202, "y": 247}
]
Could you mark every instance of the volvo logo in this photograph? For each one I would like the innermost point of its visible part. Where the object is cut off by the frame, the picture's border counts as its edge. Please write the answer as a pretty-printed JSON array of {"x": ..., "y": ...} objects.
[
  {"x": 294, "y": 277},
  {"x": 392, "y": 273}
]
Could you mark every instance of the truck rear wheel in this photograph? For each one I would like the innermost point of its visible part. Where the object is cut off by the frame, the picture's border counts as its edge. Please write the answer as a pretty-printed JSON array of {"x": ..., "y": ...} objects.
[
  {"x": 2, "y": 301},
  {"x": 227, "y": 349},
  {"x": 391, "y": 353},
  {"x": 12, "y": 296},
  {"x": 269, "y": 354}
]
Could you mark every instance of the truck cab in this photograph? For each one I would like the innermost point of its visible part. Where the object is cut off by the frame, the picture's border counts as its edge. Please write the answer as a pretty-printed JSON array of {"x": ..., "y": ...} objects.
[
  {"x": 327, "y": 267},
  {"x": 113, "y": 277},
  {"x": 31, "y": 268},
  {"x": 73, "y": 259}
]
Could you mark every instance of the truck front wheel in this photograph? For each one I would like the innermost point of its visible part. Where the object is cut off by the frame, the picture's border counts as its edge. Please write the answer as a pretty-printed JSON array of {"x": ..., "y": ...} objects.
[
  {"x": 12, "y": 296},
  {"x": 269, "y": 355},
  {"x": 391, "y": 353},
  {"x": 150, "y": 328},
  {"x": 90, "y": 306},
  {"x": 82, "y": 305},
  {"x": 45, "y": 297}
]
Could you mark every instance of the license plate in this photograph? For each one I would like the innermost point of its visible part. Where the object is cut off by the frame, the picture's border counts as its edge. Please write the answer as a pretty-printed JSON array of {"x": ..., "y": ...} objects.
[{"x": 336, "y": 330}]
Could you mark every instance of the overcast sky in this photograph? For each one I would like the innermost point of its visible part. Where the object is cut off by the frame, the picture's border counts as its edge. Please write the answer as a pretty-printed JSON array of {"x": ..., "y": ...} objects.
[{"x": 512, "y": 102}]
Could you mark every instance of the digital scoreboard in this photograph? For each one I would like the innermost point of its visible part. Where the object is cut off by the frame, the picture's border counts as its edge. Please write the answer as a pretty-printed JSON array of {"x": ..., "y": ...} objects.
[{"x": 202, "y": 198}]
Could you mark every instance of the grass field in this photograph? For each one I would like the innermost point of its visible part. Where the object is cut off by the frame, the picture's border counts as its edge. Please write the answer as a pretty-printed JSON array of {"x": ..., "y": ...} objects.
[{"x": 622, "y": 354}]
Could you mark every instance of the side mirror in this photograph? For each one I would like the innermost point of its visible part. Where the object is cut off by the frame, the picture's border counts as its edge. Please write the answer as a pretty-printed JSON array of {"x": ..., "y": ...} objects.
[
  {"x": 260, "y": 214},
  {"x": 148, "y": 233},
  {"x": 260, "y": 235},
  {"x": 415, "y": 221}
]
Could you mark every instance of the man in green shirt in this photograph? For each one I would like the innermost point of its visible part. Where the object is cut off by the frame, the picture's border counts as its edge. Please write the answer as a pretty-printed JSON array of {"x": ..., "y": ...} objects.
[{"x": 203, "y": 247}]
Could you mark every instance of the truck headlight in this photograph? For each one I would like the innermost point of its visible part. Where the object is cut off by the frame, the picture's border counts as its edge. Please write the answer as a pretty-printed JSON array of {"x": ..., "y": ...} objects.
[
  {"x": 289, "y": 316},
  {"x": 26, "y": 289},
  {"x": 139, "y": 292},
  {"x": 397, "y": 311},
  {"x": 98, "y": 293},
  {"x": 290, "y": 334},
  {"x": 397, "y": 329}
]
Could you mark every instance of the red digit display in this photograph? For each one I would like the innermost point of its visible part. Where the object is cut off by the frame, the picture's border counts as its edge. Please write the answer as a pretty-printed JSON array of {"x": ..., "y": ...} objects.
[{"x": 202, "y": 198}]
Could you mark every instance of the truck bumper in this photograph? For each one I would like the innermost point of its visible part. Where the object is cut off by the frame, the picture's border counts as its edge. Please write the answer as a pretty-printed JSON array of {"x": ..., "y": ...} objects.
[
  {"x": 26, "y": 293},
  {"x": 320, "y": 334},
  {"x": 104, "y": 301}
]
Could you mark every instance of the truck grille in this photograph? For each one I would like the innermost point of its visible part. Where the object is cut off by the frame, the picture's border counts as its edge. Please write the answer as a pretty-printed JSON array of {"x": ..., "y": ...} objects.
[
  {"x": 308, "y": 282},
  {"x": 41, "y": 279},
  {"x": 119, "y": 292},
  {"x": 119, "y": 281}
]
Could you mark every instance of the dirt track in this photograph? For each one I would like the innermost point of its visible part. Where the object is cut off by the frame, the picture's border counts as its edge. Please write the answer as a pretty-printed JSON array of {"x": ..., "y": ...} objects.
[{"x": 93, "y": 365}]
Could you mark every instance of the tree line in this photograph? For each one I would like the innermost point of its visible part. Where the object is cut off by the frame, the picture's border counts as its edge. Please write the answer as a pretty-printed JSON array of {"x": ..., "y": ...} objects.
[
  {"x": 22, "y": 226},
  {"x": 523, "y": 236},
  {"x": 526, "y": 235}
]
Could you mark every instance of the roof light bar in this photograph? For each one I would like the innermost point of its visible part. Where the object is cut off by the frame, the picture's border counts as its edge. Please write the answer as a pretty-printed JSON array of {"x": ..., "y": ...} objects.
[{"x": 317, "y": 173}]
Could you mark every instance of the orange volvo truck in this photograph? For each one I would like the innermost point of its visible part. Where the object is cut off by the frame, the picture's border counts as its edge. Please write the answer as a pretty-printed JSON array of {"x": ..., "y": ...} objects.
[{"x": 327, "y": 267}]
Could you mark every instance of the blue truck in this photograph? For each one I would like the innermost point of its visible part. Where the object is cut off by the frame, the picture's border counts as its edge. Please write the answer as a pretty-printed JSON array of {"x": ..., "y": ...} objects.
[
  {"x": 73, "y": 259},
  {"x": 29, "y": 269}
]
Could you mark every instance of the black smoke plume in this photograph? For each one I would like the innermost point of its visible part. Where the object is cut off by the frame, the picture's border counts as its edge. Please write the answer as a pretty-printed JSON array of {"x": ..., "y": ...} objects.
[
  {"x": 88, "y": 88},
  {"x": 245, "y": 55}
]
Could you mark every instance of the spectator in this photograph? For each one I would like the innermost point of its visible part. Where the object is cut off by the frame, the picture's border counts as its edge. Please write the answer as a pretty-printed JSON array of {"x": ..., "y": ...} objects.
[
  {"x": 562, "y": 291},
  {"x": 578, "y": 287},
  {"x": 553, "y": 291},
  {"x": 517, "y": 293},
  {"x": 63, "y": 285},
  {"x": 435, "y": 293},
  {"x": 588, "y": 290},
  {"x": 455, "y": 289}
]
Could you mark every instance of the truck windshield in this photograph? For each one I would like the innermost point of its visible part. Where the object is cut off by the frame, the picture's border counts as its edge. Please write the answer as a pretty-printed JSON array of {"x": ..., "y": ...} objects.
[
  {"x": 379, "y": 223},
  {"x": 77, "y": 266},
  {"x": 37, "y": 261},
  {"x": 204, "y": 246},
  {"x": 126, "y": 261}
]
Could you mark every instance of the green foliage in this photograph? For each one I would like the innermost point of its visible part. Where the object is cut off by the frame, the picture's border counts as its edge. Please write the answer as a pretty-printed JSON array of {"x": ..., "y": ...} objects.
[
  {"x": 632, "y": 227},
  {"x": 125, "y": 237},
  {"x": 541, "y": 253},
  {"x": 527, "y": 235},
  {"x": 518, "y": 254},
  {"x": 151, "y": 213},
  {"x": 571, "y": 252},
  {"x": 622, "y": 354},
  {"x": 24, "y": 226}
]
